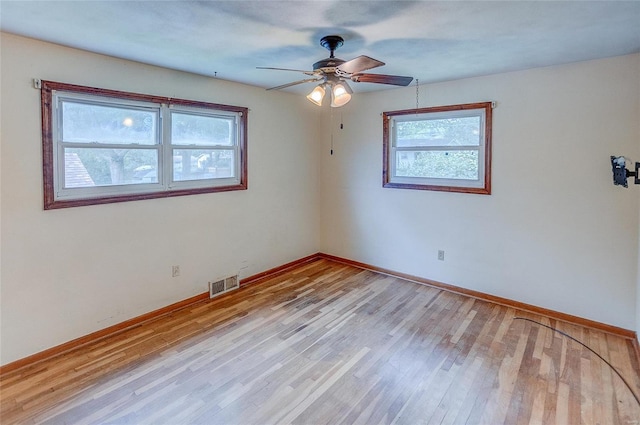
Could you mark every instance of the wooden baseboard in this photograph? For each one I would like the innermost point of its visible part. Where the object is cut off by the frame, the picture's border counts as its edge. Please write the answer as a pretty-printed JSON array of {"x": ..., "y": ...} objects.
[
  {"x": 101, "y": 334},
  {"x": 276, "y": 271},
  {"x": 137, "y": 321},
  {"x": 552, "y": 314}
]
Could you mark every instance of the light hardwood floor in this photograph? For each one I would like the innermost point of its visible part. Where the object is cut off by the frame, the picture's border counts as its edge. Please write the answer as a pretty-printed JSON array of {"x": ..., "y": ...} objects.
[{"x": 328, "y": 343}]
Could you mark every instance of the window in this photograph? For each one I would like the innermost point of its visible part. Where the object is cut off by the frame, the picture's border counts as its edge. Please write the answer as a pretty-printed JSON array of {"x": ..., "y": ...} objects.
[
  {"x": 445, "y": 148},
  {"x": 102, "y": 146}
]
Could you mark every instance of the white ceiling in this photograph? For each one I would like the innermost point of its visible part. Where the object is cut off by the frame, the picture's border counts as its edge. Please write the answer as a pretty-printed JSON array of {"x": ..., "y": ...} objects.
[{"x": 429, "y": 40}]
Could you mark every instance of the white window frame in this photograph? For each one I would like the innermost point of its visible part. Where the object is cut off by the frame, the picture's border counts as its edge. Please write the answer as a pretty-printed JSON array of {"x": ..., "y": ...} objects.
[
  {"x": 235, "y": 147},
  {"x": 58, "y": 196},
  {"x": 481, "y": 185},
  {"x": 61, "y": 192}
]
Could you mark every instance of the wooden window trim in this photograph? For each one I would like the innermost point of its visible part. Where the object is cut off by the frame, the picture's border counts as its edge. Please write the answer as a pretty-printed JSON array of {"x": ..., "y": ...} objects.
[
  {"x": 386, "y": 177},
  {"x": 48, "y": 87}
]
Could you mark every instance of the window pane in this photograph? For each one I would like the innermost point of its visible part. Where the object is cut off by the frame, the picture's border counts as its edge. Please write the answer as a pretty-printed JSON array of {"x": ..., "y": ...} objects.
[
  {"x": 201, "y": 130},
  {"x": 438, "y": 164},
  {"x": 86, "y": 123},
  {"x": 105, "y": 167},
  {"x": 199, "y": 164},
  {"x": 463, "y": 131}
]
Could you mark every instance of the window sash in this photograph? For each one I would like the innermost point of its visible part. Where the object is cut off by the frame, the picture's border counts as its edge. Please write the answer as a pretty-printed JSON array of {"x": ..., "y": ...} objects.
[
  {"x": 231, "y": 118},
  {"x": 66, "y": 193},
  {"x": 439, "y": 180},
  {"x": 61, "y": 98},
  {"x": 75, "y": 192},
  {"x": 438, "y": 116},
  {"x": 235, "y": 147}
]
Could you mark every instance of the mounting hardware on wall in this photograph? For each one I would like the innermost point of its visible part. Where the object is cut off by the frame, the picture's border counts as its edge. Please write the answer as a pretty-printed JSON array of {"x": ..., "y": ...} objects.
[{"x": 620, "y": 172}]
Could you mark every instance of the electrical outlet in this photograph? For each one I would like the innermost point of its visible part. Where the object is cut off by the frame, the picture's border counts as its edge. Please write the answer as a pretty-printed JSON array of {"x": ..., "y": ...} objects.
[
  {"x": 175, "y": 271},
  {"x": 440, "y": 255}
]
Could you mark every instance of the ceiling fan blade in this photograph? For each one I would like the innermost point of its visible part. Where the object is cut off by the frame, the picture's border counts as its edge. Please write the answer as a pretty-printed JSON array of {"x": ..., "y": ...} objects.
[
  {"x": 284, "y": 86},
  {"x": 359, "y": 64},
  {"x": 395, "y": 80},
  {"x": 287, "y": 69}
]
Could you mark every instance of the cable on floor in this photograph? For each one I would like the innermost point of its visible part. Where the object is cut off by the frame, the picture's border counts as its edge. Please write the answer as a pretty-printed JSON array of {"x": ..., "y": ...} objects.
[{"x": 588, "y": 348}]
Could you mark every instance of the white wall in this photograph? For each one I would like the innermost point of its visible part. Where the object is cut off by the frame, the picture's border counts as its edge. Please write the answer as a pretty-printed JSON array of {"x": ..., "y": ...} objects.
[
  {"x": 638, "y": 286},
  {"x": 66, "y": 273},
  {"x": 554, "y": 233}
]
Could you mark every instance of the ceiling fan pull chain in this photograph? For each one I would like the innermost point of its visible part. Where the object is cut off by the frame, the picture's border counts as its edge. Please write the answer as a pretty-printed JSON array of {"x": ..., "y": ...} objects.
[
  {"x": 331, "y": 126},
  {"x": 417, "y": 95}
]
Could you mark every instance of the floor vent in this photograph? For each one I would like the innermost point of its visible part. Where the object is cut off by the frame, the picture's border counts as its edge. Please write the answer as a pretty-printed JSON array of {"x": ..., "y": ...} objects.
[{"x": 223, "y": 285}]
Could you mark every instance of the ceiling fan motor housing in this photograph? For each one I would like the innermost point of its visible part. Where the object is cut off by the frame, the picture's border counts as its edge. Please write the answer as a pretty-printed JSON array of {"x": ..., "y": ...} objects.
[
  {"x": 331, "y": 43},
  {"x": 328, "y": 64}
]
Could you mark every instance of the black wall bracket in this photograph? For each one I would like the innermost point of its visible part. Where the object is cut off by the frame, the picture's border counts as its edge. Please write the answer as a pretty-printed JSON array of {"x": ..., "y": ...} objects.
[{"x": 620, "y": 172}]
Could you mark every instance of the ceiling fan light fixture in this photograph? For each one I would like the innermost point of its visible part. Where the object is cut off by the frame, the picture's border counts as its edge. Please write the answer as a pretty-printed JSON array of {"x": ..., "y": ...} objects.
[
  {"x": 334, "y": 73},
  {"x": 340, "y": 94},
  {"x": 317, "y": 95}
]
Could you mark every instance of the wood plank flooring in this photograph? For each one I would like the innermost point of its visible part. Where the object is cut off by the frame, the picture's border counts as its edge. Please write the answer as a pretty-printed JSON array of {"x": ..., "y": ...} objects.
[{"x": 328, "y": 343}]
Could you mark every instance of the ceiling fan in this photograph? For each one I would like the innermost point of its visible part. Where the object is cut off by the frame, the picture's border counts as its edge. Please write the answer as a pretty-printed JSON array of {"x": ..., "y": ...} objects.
[{"x": 333, "y": 73}]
